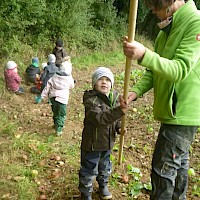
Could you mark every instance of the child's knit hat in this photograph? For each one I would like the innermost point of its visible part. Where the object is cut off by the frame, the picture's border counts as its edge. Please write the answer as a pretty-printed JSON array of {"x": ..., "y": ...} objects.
[
  {"x": 11, "y": 65},
  {"x": 59, "y": 43},
  {"x": 35, "y": 62},
  {"x": 51, "y": 58},
  {"x": 100, "y": 72}
]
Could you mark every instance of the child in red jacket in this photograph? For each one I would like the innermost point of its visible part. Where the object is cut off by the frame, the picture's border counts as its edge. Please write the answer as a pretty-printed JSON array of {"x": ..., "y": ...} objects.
[{"x": 12, "y": 78}]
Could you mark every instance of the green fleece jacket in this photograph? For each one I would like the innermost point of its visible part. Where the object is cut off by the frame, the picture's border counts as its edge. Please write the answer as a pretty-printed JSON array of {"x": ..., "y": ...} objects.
[{"x": 173, "y": 70}]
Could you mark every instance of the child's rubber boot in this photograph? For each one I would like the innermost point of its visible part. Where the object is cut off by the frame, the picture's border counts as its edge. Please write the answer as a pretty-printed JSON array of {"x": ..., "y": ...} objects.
[
  {"x": 58, "y": 131},
  {"x": 19, "y": 92},
  {"x": 104, "y": 192},
  {"x": 84, "y": 197},
  {"x": 38, "y": 99},
  {"x": 49, "y": 102}
]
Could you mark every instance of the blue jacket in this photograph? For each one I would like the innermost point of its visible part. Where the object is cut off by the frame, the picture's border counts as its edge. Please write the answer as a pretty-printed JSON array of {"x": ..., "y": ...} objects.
[{"x": 49, "y": 71}]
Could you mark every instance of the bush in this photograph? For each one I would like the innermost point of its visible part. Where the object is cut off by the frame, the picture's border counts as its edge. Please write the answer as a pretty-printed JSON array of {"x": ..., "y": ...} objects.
[{"x": 84, "y": 25}]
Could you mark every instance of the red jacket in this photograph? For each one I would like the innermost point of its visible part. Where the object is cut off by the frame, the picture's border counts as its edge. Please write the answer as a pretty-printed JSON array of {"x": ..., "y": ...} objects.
[{"x": 12, "y": 79}]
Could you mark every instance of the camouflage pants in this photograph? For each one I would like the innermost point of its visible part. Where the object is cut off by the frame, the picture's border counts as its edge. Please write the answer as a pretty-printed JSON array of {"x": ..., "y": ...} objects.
[
  {"x": 170, "y": 162},
  {"x": 94, "y": 164}
]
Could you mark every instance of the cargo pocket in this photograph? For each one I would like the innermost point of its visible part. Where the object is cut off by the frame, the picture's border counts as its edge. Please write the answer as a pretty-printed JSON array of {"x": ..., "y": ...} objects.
[
  {"x": 168, "y": 172},
  {"x": 172, "y": 135}
]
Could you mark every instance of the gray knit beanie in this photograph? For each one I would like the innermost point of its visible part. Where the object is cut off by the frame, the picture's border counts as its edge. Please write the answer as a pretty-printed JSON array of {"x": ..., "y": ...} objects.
[
  {"x": 100, "y": 72},
  {"x": 51, "y": 58}
]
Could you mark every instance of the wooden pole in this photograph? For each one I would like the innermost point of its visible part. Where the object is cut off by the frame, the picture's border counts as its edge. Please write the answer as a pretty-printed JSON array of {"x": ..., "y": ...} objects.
[{"x": 131, "y": 37}]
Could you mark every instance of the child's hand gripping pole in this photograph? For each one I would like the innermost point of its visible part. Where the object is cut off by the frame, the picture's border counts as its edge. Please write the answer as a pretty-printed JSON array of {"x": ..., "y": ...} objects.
[{"x": 131, "y": 36}]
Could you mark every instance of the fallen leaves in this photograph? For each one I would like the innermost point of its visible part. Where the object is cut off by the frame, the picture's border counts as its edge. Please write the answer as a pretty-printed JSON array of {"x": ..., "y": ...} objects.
[
  {"x": 6, "y": 196},
  {"x": 125, "y": 179},
  {"x": 55, "y": 157},
  {"x": 24, "y": 157},
  {"x": 18, "y": 178},
  {"x": 55, "y": 174}
]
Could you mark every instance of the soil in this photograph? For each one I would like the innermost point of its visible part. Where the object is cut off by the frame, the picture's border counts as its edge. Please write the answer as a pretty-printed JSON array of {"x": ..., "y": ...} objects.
[{"x": 139, "y": 142}]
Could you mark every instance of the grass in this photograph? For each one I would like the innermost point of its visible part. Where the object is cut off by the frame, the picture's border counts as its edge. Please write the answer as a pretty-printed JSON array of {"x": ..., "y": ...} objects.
[
  {"x": 24, "y": 156},
  {"x": 98, "y": 59}
]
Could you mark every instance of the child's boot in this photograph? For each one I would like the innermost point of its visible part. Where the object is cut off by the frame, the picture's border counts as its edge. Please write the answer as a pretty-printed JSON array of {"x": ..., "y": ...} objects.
[
  {"x": 104, "y": 192},
  {"x": 84, "y": 197},
  {"x": 49, "y": 102},
  {"x": 58, "y": 131},
  {"x": 38, "y": 99}
]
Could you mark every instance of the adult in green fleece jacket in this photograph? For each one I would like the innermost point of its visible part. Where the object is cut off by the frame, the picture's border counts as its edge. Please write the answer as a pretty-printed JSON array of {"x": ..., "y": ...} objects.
[{"x": 173, "y": 71}]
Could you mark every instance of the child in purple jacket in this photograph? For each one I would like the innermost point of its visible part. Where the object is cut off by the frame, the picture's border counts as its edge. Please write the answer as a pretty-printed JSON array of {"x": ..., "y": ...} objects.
[{"x": 12, "y": 78}]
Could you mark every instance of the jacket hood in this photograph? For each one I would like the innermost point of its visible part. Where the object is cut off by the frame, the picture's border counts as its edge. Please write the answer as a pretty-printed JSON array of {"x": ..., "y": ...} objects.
[
  {"x": 52, "y": 68},
  {"x": 109, "y": 100},
  {"x": 60, "y": 82},
  {"x": 62, "y": 73}
]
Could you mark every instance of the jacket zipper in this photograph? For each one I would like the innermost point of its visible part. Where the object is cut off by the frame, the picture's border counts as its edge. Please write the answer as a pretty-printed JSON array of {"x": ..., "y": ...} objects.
[{"x": 96, "y": 134}]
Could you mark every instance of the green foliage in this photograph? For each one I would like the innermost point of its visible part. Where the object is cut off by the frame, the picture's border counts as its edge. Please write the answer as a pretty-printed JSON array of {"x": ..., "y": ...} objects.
[
  {"x": 2, "y": 85},
  {"x": 83, "y": 25},
  {"x": 5, "y": 126},
  {"x": 114, "y": 180},
  {"x": 197, "y": 2},
  {"x": 135, "y": 75},
  {"x": 102, "y": 14},
  {"x": 20, "y": 16},
  {"x": 142, "y": 11},
  {"x": 135, "y": 172},
  {"x": 98, "y": 59},
  {"x": 196, "y": 187},
  {"x": 123, "y": 9},
  {"x": 191, "y": 172},
  {"x": 135, "y": 185}
]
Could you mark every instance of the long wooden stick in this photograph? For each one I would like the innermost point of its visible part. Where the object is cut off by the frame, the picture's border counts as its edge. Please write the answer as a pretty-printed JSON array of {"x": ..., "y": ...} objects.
[{"x": 131, "y": 37}]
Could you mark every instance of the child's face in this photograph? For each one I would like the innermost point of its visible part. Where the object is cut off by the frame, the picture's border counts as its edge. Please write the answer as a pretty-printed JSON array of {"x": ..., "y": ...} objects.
[
  {"x": 59, "y": 48},
  {"x": 103, "y": 85}
]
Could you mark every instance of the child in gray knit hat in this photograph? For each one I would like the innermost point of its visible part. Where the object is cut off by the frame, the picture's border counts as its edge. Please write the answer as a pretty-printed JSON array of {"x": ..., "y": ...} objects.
[
  {"x": 103, "y": 112},
  {"x": 49, "y": 70}
]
